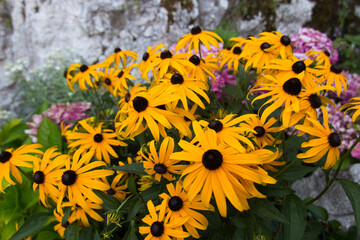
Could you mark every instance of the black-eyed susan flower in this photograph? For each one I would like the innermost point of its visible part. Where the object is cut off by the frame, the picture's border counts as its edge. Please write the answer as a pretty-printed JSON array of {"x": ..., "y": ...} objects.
[
  {"x": 281, "y": 44},
  {"x": 123, "y": 76},
  {"x": 179, "y": 206},
  {"x": 269, "y": 159},
  {"x": 231, "y": 58},
  {"x": 258, "y": 54},
  {"x": 294, "y": 68},
  {"x": 111, "y": 80},
  {"x": 321, "y": 58},
  {"x": 167, "y": 60},
  {"x": 159, "y": 163},
  {"x": 120, "y": 55},
  {"x": 79, "y": 179},
  {"x": 204, "y": 67},
  {"x": 95, "y": 140},
  {"x": 228, "y": 132},
  {"x": 11, "y": 159},
  {"x": 354, "y": 104},
  {"x": 196, "y": 36},
  {"x": 186, "y": 88},
  {"x": 84, "y": 74},
  {"x": 325, "y": 142},
  {"x": 159, "y": 229},
  {"x": 283, "y": 92},
  {"x": 145, "y": 108},
  {"x": 220, "y": 170},
  {"x": 146, "y": 65},
  {"x": 263, "y": 129},
  {"x": 118, "y": 186},
  {"x": 46, "y": 173},
  {"x": 333, "y": 75},
  {"x": 145, "y": 182},
  {"x": 59, "y": 227},
  {"x": 81, "y": 214}
]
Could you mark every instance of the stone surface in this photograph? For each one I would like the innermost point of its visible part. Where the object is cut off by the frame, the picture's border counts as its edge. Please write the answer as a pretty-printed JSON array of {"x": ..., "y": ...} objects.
[{"x": 334, "y": 200}]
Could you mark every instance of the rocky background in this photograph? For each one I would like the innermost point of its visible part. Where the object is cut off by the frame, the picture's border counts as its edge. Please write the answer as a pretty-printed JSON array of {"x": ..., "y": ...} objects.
[{"x": 32, "y": 30}]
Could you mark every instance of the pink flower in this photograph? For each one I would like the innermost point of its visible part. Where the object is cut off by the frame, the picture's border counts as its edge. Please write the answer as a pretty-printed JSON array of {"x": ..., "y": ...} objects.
[
  {"x": 311, "y": 39},
  {"x": 356, "y": 151},
  {"x": 61, "y": 112}
]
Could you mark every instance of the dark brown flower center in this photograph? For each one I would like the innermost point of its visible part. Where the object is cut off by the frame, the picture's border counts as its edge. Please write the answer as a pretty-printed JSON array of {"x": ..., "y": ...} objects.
[
  {"x": 107, "y": 81},
  {"x": 157, "y": 229},
  {"x": 292, "y": 86},
  {"x": 334, "y": 139},
  {"x": 260, "y": 131},
  {"x": 120, "y": 74},
  {"x": 195, "y": 60},
  {"x": 111, "y": 191},
  {"x": 160, "y": 168},
  {"x": 140, "y": 104},
  {"x": 298, "y": 67},
  {"x": 65, "y": 225},
  {"x": 175, "y": 203},
  {"x": 327, "y": 53},
  {"x": 39, "y": 177},
  {"x": 236, "y": 50},
  {"x": 83, "y": 68},
  {"x": 98, "y": 137},
  {"x": 212, "y": 159},
  {"x": 264, "y": 46},
  {"x": 145, "y": 56},
  {"x": 285, "y": 40},
  {"x": 69, "y": 177},
  {"x": 165, "y": 54},
  {"x": 177, "y": 79},
  {"x": 216, "y": 125},
  {"x": 5, "y": 156},
  {"x": 336, "y": 68},
  {"x": 315, "y": 101},
  {"x": 117, "y": 50},
  {"x": 196, "y": 30}
]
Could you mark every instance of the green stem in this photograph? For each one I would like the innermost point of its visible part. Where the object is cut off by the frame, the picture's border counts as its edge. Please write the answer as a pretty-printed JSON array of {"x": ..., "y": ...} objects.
[
  {"x": 123, "y": 203},
  {"x": 22, "y": 171},
  {"x": 284, "y": 155},
  {"x": 238, "y": 91},
  {"x": 342, "y": 159}
]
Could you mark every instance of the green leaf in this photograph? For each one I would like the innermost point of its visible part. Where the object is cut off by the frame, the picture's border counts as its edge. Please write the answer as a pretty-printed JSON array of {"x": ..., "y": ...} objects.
[
  {"x": 239, "y": 222},
  {"x": 352, "y": 191},
  {"x": 27, "y": 197},
  {"x": 134, "y": 209},
  {"x": 16, "y": 133},
  {"x": 137, "y": 168},
  {"x": 132, "y": 184},
  {"x": 6, "y": 128},
  {"x": 32, "y": 225},
  {"x": 86, "y": 233},
  {"x": 313, "y": 230},
  {"x": 266, "y": 210},
  {"x": 66, "y": 216},
  {"x": 48, "y": 235},
  {"x": 295, "y": 212},
  {"x": 49, "y": 134},
  {"x": 9, "y": 204},
  {"x": 72, "y": 231},
  {"x": 296, "y": 172},
  {"x": 275, "y": 192},
  {"x": 109, "y": 202},
  {"x": 130, "y": 234},
  {"x": 43, "y": 107},
  {"x": 318, "y": 212}
]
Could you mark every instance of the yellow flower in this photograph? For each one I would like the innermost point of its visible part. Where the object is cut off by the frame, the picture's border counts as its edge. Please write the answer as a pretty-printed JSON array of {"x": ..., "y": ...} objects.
[
  {"x": 186, "y": 88},
  {"x": 326, "y": 142},
  {"x": 79, "y": 181},
  {"x": 145, "y": 107},
  {"x": 11, "y": 159},
  {"x": 196, "y": 36},
  {"x": 84, "y": 75},
  {"x": 117, "y": 186},
  {"x": 60, "y": 228},
  {"x": 220, "y": 170},
  {"x": 281, "y": 44},
  {"x": 321, "y": 58},
  {"x": 80, "y": 214},
  {"x": 333, "y": 74},
  {"x": 179, "y": 206},
  {"x": 145, "y": 182},
  {"x": 46, "y": 174},
  {"x": 159, "y": 229},
  {"x": 161, "y": 164},
  {"x": 232, "y": 58},
  {"x": 354, "y": 104},
  {"x": 203, "y": 67},
  {"x": 95, "y": 140},
  {"x": 120, "y": 55},
  {"x": 146, "y": 65}
]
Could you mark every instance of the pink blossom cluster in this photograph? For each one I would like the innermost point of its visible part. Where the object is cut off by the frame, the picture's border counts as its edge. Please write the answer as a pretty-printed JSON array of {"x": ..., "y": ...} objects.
[
  {"x": 311, "y": 39},
  {"x": 58, "y": 113}
]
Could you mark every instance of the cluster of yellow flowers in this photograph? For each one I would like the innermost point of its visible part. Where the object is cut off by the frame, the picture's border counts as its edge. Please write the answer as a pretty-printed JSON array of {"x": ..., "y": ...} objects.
[{"x": 225, "y": 156}]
